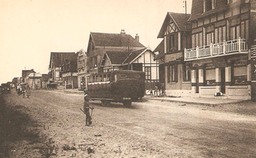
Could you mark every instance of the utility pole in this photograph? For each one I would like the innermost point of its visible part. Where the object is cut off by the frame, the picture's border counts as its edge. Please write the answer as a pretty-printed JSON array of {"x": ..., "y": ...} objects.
[{"x": 185, "y": 7}]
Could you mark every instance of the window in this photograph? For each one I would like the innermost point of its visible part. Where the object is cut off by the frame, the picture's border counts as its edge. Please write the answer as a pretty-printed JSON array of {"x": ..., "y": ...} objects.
[
  {"x": 234, "y": 32},
  {"x": 209, "y": 5},
  {"x": 239, "y": 75},
  {"x": 209, "y": 38},
  {"x": 210, "y": 77},
  {"x": 147, "y": 72},
  {"x": 173, "y": 73},
  {"x": 197, "y": 39},
  {"x": 220, "y": 34},
  {"x": 186, "y": 73},
  {"x": 209, "y": 34},
  {"x": 245, "y": 29},
  {"x": 172, "y": 42}
]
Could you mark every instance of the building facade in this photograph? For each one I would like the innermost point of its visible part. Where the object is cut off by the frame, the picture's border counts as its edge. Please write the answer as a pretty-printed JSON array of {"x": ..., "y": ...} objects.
[
  {"x": 56, "y": 61},
  {"x": 69, "y": 72},
  {"x": 81, "y": 69},
  {"x": 45, "y": 80},
  {"x": 34, "y": 80},
  {"x": 223, "y": 32},
  {"x": 138, "y": 60},
  {"x": 101, "y": 43},
  {"x": 25, "y": 73},
  {"x": 175, "y": 73}
]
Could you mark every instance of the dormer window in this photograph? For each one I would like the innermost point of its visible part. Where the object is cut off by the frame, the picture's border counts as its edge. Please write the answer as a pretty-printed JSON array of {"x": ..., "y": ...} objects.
[{"x": 209, "y": 5}]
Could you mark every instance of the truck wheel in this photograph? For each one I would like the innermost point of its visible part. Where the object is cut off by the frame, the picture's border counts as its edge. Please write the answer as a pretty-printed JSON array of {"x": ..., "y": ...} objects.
[{"x": 127, "y": 103}]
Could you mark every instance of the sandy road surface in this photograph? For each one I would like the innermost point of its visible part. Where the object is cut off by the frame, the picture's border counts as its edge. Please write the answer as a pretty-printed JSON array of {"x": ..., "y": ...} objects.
[{"x": 147, "y": 129}]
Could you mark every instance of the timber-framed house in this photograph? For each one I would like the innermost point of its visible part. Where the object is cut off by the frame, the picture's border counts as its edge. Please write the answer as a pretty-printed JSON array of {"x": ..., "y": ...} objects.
[
  {"x": 110, "y": 51},
  {"x": 222, "y": 34},
  {"x": 174, "y": 74}
]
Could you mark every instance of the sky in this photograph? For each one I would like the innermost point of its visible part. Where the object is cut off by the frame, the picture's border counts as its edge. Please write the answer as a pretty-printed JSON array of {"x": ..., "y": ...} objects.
[{"x": 31, "y": 29}]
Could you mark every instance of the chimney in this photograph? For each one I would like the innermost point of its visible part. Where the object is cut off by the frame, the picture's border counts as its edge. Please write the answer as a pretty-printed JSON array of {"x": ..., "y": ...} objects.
[
  {"x": 137, "y": 38},
  {"x": 122, "y": 32}
]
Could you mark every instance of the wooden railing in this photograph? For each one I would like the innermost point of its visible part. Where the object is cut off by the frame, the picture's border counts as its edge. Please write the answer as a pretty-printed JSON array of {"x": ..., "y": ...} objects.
[{"x": 217, "y": 49}]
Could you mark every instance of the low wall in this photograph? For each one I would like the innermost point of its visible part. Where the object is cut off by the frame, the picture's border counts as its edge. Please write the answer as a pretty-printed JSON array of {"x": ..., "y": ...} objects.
[
  {"x": 207, "y": 91},
  {"x": 177, "y": 93},
  {"x": 239, "y": 92}
]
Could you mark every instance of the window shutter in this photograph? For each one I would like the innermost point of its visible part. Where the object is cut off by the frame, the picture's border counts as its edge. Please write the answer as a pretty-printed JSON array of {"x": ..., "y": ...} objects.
[{"x": 176, "y": 41}]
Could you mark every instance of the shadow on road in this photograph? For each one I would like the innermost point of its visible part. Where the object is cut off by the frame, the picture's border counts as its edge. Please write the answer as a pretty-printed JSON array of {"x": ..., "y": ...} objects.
[{"x": 17, "y": 127}]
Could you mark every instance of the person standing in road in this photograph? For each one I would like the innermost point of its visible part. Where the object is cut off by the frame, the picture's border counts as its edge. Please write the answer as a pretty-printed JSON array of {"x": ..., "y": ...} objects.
[
  {"x": 88, "y": 120},
  {"x": 19, "y": 89},
  {"x": 23, "y": 86},
  {"x": 28, "y": 91}
]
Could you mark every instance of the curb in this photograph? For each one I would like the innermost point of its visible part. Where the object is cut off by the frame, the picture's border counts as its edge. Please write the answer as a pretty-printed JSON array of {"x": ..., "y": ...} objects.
[{"x": 196, "y": 103}]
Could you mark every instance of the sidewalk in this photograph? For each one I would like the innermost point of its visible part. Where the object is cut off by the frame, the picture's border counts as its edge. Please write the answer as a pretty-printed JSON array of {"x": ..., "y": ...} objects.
[
  {"x": 191, "y": 100},
  {"x": 73, "y": 91},
  {"x": 195, "y": 100}
]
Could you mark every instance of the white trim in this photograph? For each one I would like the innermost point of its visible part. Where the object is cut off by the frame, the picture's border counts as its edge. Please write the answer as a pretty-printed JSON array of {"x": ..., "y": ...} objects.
[
  {"x": 93, "y": 83},
  {"x": 146, "y": 49}
]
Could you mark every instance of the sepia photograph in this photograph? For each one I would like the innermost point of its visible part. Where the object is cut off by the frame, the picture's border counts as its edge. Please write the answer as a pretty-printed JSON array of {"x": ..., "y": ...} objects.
[{"x": 128, "y": 79}]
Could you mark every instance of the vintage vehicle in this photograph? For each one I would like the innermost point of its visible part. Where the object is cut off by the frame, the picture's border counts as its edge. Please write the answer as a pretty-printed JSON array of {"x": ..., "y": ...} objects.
[
  {"x": 123, "y": 86},
  {"x": 5, "y": 88}
]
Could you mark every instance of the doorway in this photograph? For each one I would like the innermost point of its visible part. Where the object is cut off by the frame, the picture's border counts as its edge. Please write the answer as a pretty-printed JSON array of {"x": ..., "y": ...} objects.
[
  {"x": 197, "y": 80},
  {"x": 222, "y": 80}
]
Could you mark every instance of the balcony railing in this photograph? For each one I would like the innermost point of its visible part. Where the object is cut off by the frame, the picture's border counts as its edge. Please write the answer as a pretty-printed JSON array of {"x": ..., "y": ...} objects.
[{"x": 217, "y": 49}]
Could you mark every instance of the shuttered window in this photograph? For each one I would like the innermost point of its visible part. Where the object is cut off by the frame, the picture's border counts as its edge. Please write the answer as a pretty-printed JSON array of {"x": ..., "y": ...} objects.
[{"x": 174, "y": 73}]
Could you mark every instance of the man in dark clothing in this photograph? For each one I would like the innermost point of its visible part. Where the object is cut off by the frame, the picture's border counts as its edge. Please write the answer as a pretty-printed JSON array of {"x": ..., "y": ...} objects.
[{"x": 88, "y": 120}]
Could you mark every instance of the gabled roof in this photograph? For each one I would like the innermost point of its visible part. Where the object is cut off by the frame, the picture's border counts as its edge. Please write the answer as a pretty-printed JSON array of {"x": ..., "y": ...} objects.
[
  {"x": 180, "y": 20},
  {"x": 58, "y": 58},
  {"x": 134, "y": 55},
  {"x": 121, "y": 57},
  {"x": 114, "y": 40},
  {"x": 160, "y": 50},
  {"x": 160, "y": 47},
  {"x": 117, "y": 57}
]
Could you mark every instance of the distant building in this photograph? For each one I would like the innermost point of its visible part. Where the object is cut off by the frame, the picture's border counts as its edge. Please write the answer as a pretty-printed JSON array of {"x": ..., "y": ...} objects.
[
  {"x": 57, "y": 60},
  {"x": 34, "y": 80},
  {"x": 25, "y": 73},
  {"x": 110, "y": 51},
  {"x": 100, "y": 43},
  {"x": 44, "y": 80},
  {"x": 69, "y": 72},
  {"x": 81, "y": 69},
  {"x": 138, "y": 60}
]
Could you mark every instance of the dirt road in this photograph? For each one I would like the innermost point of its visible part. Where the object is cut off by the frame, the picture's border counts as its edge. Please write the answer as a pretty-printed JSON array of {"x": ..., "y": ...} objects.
[{"x": 52, "y": 125}]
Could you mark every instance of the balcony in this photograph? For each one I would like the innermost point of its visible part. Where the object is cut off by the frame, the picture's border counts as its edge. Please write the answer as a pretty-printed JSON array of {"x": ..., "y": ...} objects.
[{"x": 237, "y": 46}]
